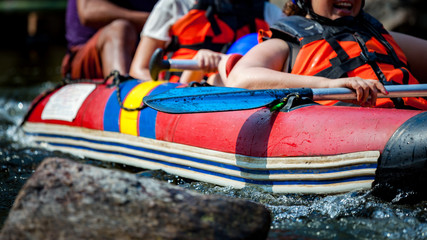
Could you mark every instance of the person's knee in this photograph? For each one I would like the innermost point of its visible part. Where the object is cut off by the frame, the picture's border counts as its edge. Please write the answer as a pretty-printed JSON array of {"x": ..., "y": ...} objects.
[
  {"x": 120, "y": 31},
  {"x": 122, "y": 27}
]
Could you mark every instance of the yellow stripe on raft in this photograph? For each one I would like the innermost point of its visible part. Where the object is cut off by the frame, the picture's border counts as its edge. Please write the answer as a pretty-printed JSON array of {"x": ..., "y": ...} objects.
[{"x": 129, "y": 119}]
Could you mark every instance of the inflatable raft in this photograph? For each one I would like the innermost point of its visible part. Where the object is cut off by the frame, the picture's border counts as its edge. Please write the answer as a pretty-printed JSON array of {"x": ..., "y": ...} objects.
[{"x": 308, "y": 148}]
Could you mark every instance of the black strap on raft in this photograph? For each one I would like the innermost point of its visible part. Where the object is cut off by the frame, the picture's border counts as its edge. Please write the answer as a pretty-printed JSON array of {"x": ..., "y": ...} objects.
[{"x": 289, "y": 102}]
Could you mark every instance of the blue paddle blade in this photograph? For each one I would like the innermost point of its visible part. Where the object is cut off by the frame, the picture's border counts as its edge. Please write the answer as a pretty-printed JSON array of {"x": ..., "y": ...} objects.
[{"x": 216, "y": 99}]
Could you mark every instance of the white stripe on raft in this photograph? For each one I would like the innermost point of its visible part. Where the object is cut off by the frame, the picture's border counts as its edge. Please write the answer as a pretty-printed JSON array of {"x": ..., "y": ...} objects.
[{"x": 170, "y": 157}]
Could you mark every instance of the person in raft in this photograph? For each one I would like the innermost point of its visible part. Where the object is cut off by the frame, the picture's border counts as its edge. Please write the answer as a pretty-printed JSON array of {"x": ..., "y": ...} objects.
[
  {"x": 332, "y": 43},
  {"x": 200, "y": 30},
  {"x": 102, "y": 36}
]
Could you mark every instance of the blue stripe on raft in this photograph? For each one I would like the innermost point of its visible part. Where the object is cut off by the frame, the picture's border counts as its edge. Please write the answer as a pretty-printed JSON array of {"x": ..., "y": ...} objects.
[
  {"x": 147, "y": 117},
  {"x": 252, "y": 181},
  {"x": 211, "y": 163},
  {"x": 112, "y": 108}
]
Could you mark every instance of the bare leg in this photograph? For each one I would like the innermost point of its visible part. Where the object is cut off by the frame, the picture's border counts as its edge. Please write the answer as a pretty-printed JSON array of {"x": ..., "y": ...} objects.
[
  {"x": 216, "y": 80},
  {"x": 117, "y": 44}
]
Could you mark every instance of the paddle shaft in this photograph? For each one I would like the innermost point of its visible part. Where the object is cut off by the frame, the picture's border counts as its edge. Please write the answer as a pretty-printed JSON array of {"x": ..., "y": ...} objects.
[
  {"x": 158, "y": 64},
  {"x": 413, "y": 90},
  {"x": 180, "y": 65}
]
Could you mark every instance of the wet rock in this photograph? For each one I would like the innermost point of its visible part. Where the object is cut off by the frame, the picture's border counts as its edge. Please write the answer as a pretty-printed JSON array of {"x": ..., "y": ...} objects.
[{"x": 68, "y": 200}]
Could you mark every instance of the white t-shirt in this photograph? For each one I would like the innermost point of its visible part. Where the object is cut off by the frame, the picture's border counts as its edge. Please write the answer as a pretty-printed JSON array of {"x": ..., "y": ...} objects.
[{"x": 166, "y": 12}]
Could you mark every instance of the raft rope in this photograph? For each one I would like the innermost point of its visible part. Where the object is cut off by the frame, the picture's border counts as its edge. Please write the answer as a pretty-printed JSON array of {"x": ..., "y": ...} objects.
[{"x": 117, "y": 79}]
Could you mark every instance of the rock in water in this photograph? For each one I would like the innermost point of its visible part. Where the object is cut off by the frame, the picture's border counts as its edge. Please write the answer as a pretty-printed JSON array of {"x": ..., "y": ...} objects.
[{"x": 68, "y": 200}]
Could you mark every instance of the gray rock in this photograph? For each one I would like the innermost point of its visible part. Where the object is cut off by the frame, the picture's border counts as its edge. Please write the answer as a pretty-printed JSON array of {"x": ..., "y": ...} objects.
[{"x": 68, "y": 200}]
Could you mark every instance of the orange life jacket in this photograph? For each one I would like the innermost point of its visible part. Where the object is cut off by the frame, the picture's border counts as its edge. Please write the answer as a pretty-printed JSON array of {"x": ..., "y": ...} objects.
[
  {"x": 347, "y": 47},
  {"x": 214, "y": 25}
]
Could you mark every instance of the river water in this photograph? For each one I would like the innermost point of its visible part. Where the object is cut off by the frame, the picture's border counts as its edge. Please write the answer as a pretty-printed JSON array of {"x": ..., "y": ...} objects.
[{"x": 356, "y": 215}]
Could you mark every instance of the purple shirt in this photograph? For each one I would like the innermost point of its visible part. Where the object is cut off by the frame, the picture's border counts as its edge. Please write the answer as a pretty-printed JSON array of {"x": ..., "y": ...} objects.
[{"x": 77, "y": 34}]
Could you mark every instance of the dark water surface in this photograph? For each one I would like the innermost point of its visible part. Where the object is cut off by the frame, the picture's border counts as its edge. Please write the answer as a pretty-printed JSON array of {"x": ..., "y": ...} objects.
[{"x": 357, "y": 215}]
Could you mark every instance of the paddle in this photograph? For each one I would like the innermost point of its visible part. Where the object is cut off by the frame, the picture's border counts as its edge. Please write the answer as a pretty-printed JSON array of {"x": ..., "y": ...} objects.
[
  {"x": 158, "y": 64},
  {"x": 216, "y": 99}
]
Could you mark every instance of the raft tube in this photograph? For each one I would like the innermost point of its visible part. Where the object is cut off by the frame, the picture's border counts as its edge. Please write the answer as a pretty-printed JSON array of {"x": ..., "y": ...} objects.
[{"x": 309, "y": 149}]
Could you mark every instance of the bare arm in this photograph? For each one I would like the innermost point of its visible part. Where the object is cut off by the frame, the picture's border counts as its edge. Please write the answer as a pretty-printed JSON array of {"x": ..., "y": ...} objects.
[
  {"x": 98, "y": 13},
  {"x": 141, "y": 60},
  {"x": 208, "y": 61},
  {"x": 262, "y": 68},
  {"x": 415, "y": 50}
]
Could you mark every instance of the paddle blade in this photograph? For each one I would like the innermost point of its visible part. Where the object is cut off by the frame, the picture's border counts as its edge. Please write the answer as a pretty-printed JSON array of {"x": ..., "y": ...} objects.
[{"x": 215, "y": 99}]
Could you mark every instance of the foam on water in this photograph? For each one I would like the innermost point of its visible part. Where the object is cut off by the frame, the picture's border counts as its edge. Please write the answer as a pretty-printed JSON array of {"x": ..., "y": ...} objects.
[{"x": 355, "y": 215}]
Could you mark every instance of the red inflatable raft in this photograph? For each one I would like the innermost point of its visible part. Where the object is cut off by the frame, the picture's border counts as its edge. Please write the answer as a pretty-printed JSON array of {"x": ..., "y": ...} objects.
[{"x": 308, "y": 148}]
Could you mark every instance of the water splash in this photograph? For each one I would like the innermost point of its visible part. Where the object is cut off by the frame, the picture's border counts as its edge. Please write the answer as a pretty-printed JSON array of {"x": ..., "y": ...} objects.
[
  {"x": 354, "y": 215},
  {"x": 18, "y": 156}
]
